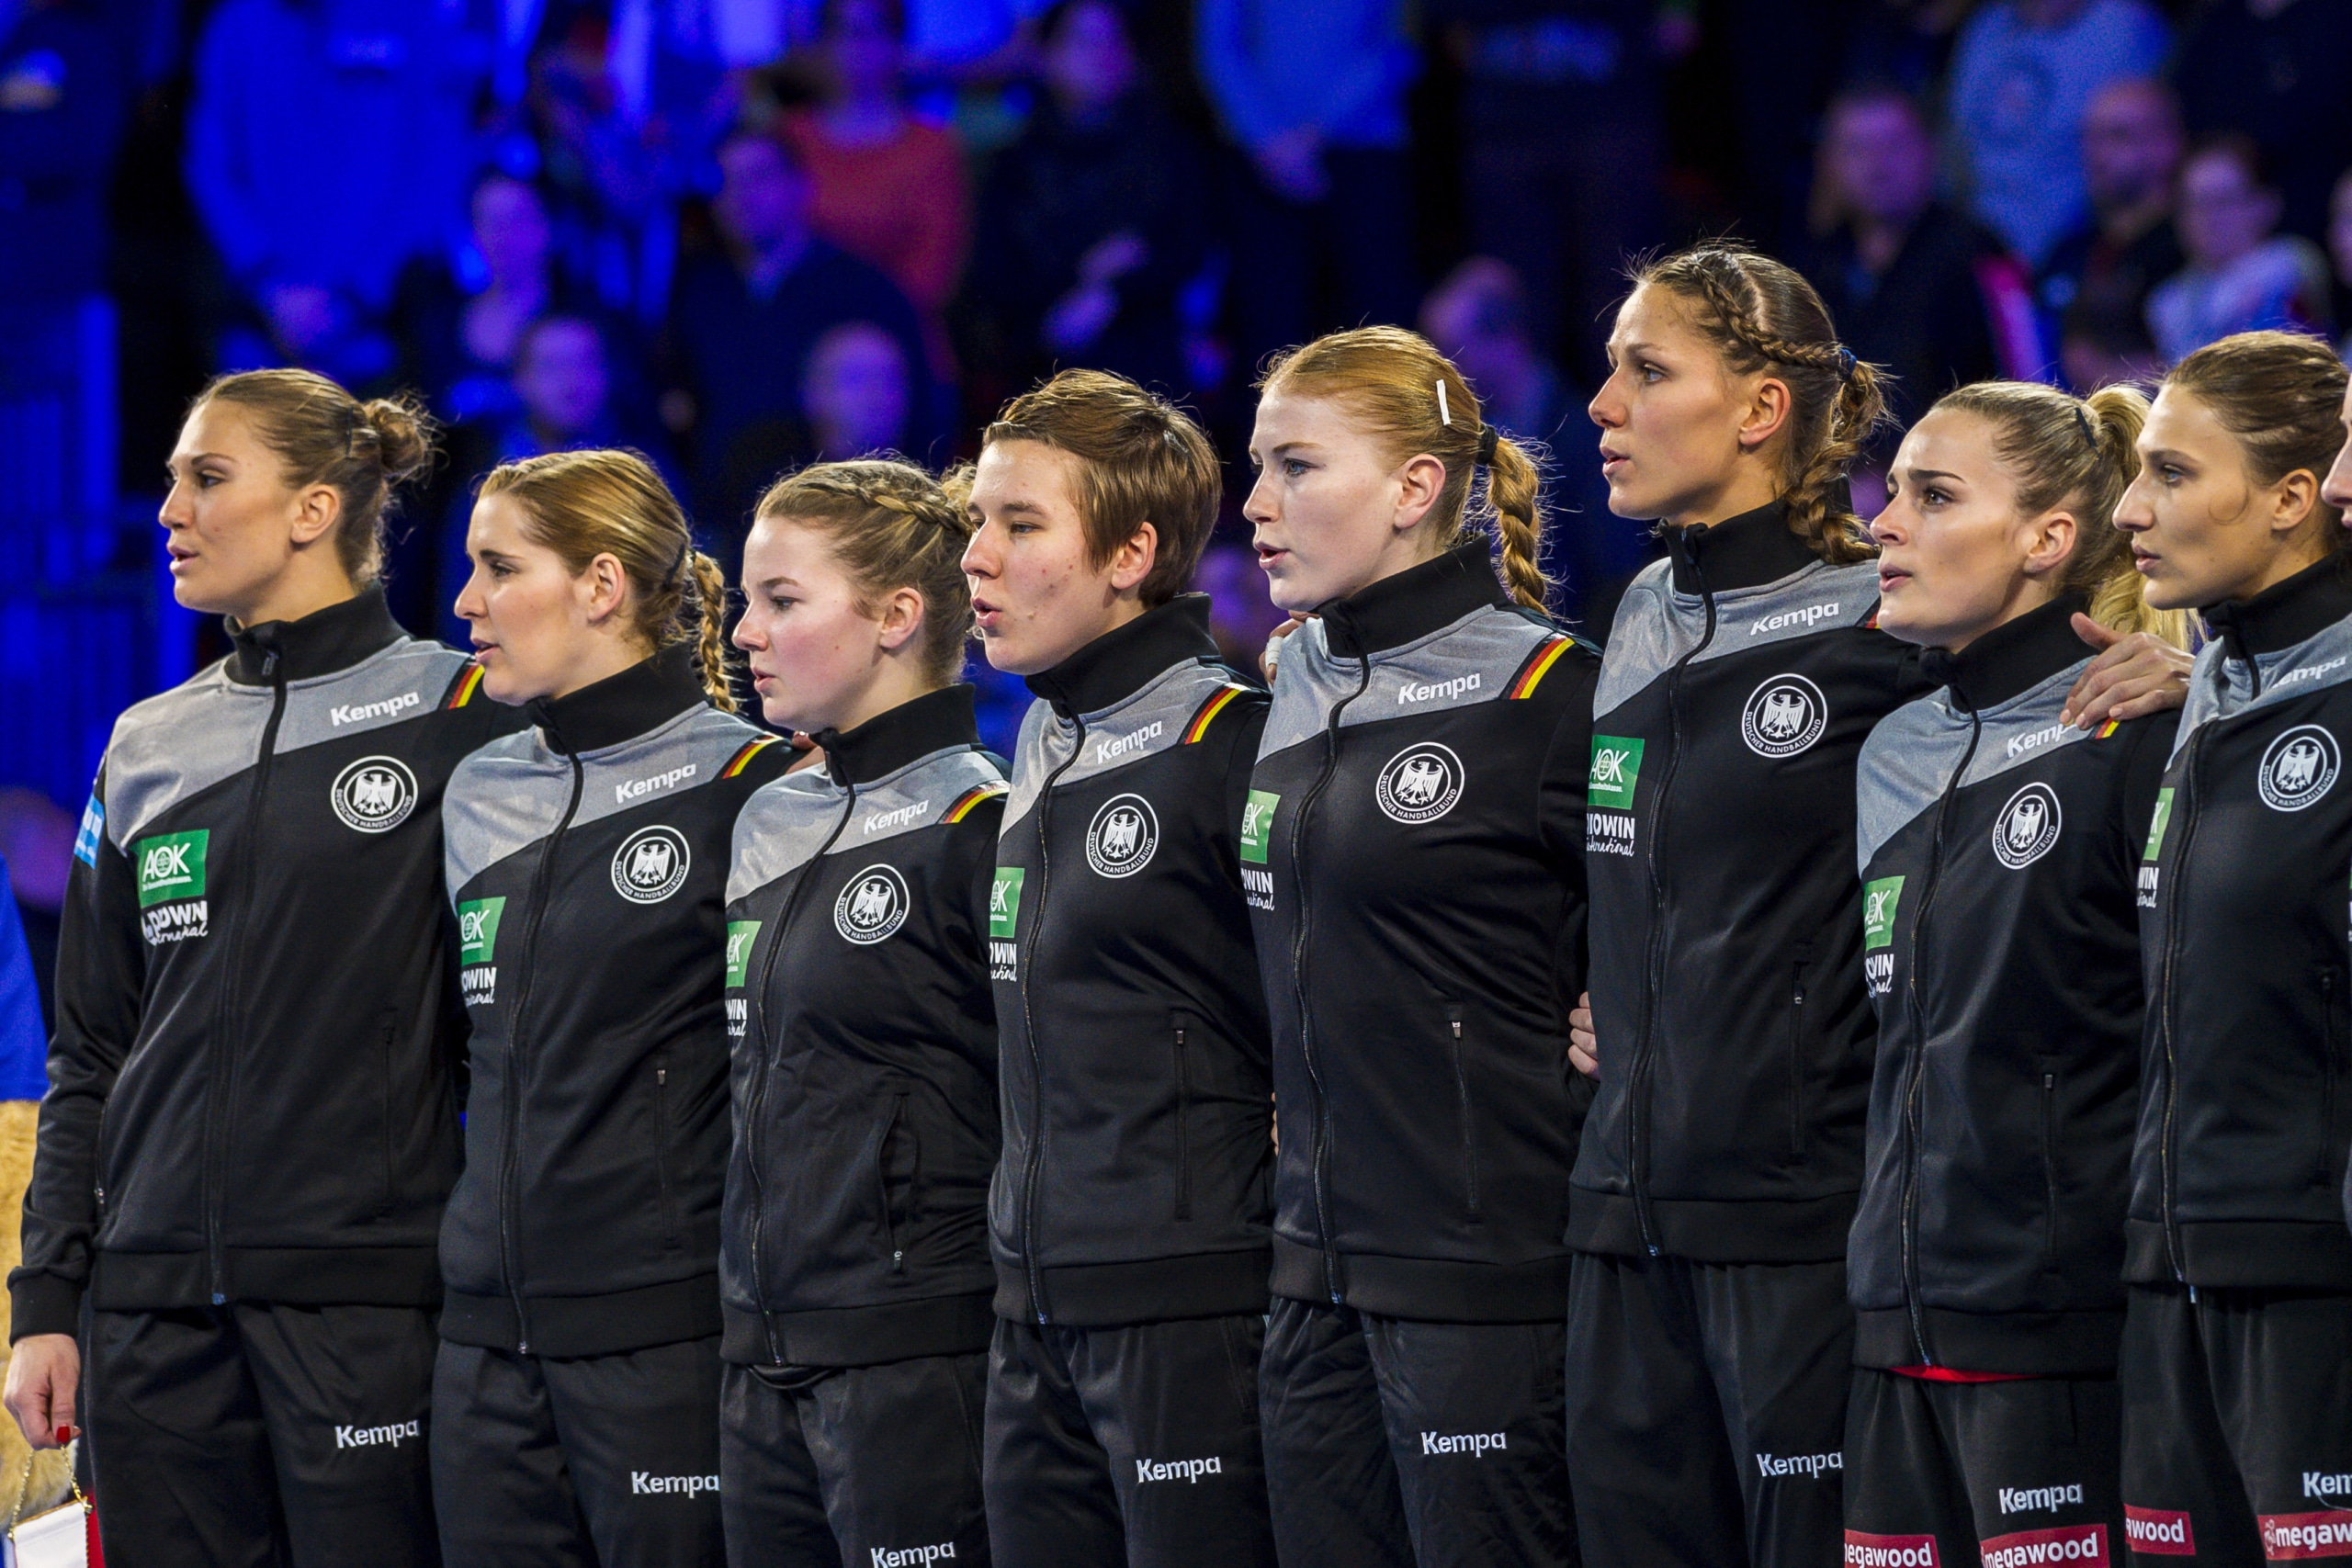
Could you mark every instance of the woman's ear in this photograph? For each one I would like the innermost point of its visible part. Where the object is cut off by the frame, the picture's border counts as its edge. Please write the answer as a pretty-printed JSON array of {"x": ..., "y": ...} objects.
[
  {"x": 603, "y": 586},
  {"x": 1418, "y": 484},
  {"x": 1133, "y": 561},
  {"x": 2292, "y": 501},
  {"x": 901, "y": 618},
  {"x": 316, "y": 512},
  {"x": 1768, "y": 411},
  {"x": 2050, "y": 542}
]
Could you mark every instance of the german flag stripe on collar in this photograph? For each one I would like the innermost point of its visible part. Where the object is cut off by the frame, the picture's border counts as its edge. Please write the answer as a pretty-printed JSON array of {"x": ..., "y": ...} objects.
[
  {"x": 1538, "y": 664},
  {"x": 743, "y": 759},
  {"x": 1209, "y": 710},
  {"x": 2109, "y": 728},
  {"x": 462, "y": 689},
  {"x": 971, "y": 797}
]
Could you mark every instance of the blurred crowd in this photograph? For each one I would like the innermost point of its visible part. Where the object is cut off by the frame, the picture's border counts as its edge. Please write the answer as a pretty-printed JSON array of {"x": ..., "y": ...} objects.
[{"x": 744, "y": 235}]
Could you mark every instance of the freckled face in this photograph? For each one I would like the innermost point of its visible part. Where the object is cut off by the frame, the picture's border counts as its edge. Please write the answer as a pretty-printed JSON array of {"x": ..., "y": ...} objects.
[{"x": 1037, "y": 595}]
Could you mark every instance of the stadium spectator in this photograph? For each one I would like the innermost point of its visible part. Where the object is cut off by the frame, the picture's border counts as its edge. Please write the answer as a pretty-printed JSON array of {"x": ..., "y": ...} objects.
[
  {"x": 64, "y": 96},
  {"x": 2022, "y": 74},
  {"x": 1090, "y": 224},
  {"x": 2095, "y": 283},
  {"x": 2242, "y": 274},
  {"x": 887, "y": 188},
  {"x": 1915, "y": 286},
  {"x": 2275, "y": 70},
  {"x": 327, "y": 143},
  {"x": 746, "y": 318},
  {"x": 858, "y": 389},
  {"x": 1313, "y": 98}
]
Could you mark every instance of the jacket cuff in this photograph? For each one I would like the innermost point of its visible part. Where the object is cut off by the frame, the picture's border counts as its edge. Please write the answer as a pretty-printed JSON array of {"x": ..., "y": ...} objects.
[{"x": 43, "y": 1304}]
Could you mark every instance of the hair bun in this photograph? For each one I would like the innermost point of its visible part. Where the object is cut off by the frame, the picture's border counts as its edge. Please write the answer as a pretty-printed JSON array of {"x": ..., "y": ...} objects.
[{"x": 404, "y": 434}]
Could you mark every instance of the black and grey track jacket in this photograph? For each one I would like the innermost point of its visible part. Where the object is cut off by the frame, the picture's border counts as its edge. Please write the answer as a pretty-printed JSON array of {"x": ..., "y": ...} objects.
[
  {"x": 1742, "y": 677},
  {"x": 587, "y": 862},
  {"x": 858, "y": 999},
  {"x": 2246, "y": 1106},
  {"x": 1414, "y": 848},
  {"x": 1133, "y": 1186},
  {"x": 253, "y": 1087},
  {"x": 2000, "y": 851}
]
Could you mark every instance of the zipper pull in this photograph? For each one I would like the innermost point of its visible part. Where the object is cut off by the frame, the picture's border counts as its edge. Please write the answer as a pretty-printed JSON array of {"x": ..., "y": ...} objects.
[
  {"x": 269, "y": 664},
  {"x": 899, "y": 1260},
  {"x": 661, "y": 1076}
]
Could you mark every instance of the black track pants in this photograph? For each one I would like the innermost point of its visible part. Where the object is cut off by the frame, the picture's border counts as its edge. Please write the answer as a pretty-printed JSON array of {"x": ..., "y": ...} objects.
[
  {"x": 855, "y": 1467},
  {"x": 604, "y": 1461},
  {"x": 2008, "y": 1474},
  {"x": 1137, "y": 1444},
  {"x": 1393, "y": 1444},
  {"x": 260, "y": 1436},
  {"x": 1707, "y": 1410},
  {"x": 2237, "y": 1424}
]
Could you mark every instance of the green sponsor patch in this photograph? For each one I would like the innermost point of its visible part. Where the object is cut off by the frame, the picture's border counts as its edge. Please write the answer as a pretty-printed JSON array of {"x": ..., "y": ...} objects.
[
  {"x": 2156, "y": 827},
  {"x": 478, "y": 929},
  {"x": 741, "y": 934},
  {"x": 1616, "y": 765},
  {"x": 1879, "y": 899},
  {"x": 171, "y": 867},
  {"x": 1258, "y": 825},
  {"x": 1004, "y": 901}
]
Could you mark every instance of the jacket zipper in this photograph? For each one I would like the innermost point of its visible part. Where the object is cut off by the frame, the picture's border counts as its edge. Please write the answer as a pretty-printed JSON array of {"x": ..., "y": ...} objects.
[
  {"x": 1184, "y": 1143},
  {"x": 215, "y": 1154},
  {"x": 758, "y": 1044},
  {"x": 1318, "y": 1154},
  {"x": 2168, "y": 1153},
  {"x": 1469, "y": 1122},
  {"x": 1035, "y": 1153},
  {"x": 882, "y": 1174},
  {"x": 1914, "y": 1089},
  {"x": 509, "y": 1219},
  {"x": 2049, "y": 1155},
  {"x": 1796, "y": 1050},
  {"x": 2327, "y": 1045},
  {"x": 662, "y": 1154},
  {"x": 1644, "y": 1064}
]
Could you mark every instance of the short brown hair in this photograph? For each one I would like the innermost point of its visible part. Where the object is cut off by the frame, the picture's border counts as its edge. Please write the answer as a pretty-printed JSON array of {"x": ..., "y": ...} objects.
[
  {"x": 1141, "y": 459},
  {"x": 891, "y": 525}
]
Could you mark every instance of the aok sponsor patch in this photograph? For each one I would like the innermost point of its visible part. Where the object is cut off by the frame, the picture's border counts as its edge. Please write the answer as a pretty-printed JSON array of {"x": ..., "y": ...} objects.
[
  {"x": 1616, "y": 769},
  {"x": 1258, "y": 825},
  {"x": 1866, "y": 1551},
  {"x": 172, "y": 902},
  {"x": 478, "y": 929},
  {"x": 740, "y": 935}
]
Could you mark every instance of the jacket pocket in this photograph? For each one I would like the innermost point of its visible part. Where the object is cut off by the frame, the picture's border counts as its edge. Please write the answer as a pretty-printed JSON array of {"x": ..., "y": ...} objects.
[
  {"x": 2050, "y": 1164},
  {"x": 386, "y": 1023},
  {"x": 2331, "y": 1069},
  {"x": 671, "y": 1239},
  {"x": 1453, "y": 1024},
  {"x": 893, "y": 1125},
  {"x": 1799, "y": 1047},
  {"x": 1178, "y": 1028}
]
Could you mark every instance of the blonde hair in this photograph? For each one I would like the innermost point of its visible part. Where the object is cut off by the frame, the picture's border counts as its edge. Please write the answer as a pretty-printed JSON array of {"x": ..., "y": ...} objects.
[
  {"x": 1413, "y": 400},
  {"x": 891, "y": 525},
  {"x": 2079, "y": 454},
  {"x": 608, "y": 501},
  {"x": 1762, "y": 316},
  {"x": 1141, "y": 459},
  {"x": 322, "y": 434}
]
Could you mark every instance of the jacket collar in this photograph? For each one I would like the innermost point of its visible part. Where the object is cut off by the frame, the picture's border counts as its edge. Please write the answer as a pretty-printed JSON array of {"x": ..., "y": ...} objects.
[
  {"x": 620, "y": 707},
  {"x": 1747, "y": 551},
  {"x": 2010, "y": 657},
  {"x": 2285, "y": 613},
  {"x": 1412, "y": 603},
  {"x": 891, "y": 740},
  {"x": 1122, "y": 661},
  {"x": 319, "y": 644}
]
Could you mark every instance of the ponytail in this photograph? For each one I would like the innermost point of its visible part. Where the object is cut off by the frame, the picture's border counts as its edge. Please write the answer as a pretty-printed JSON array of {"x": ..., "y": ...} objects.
[
  {"x": 609, "y": 501},
  {"x": 1514, "y": 489}
]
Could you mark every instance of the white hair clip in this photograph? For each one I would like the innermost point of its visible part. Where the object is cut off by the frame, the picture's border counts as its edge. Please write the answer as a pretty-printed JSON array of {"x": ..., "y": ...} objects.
[{"x": 1444, "y": 414}]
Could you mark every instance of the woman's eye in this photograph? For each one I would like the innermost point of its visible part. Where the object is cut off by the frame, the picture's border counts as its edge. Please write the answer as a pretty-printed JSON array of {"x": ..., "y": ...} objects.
[
  {"x": 1651, "y": 373},
  {"x": 1933, "y": 496},
  {"x": 1293, "y": 468}
]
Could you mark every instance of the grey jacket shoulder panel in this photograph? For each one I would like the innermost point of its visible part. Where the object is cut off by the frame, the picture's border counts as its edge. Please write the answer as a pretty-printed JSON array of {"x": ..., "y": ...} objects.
[
  {"x": 1462, "y": 664},
  {"x": 396, "y": 683},
  {"x": 2219, "y": 688},
  {"x": 1656, "y": 626},
  {"x": 787, "y": 820},
  {"x": 1150, "y": 721}
]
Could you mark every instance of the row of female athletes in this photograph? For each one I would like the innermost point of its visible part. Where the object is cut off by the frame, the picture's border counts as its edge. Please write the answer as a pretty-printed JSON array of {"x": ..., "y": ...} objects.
[{"x": 1855, "y": 1070}]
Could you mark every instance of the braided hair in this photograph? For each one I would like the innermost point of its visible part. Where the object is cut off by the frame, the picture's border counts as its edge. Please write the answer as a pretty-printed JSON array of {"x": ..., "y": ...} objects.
[
  {"x": 1763, "y": 317},
  {"x": 891, "y": 525}
]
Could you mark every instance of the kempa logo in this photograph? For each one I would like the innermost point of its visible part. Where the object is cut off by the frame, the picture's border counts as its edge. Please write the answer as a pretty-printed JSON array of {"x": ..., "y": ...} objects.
[
  {"x": 2320, "y": 1483},
  {"x": 1864, "y": 1551},
  {"x": 741, "y": 934},
  {"x": 1808, "y": 617},
  {"x": 2311, "y": 672},
  {"x": 2035, "y": 740},
  {"x": 1258, "y": 825},
  {"x": 2023, "y": 1499},
  {"x": 1616, "y": 769},
  {"x": 1420, "y": 783},
  {"x": 1120, "y": 840},
  {"x": 644, "y": 1483},
  {"x": 1114, "y": 745},
  {"x": 2027, "y": 827},
  {"x": 1474, "y": 1444},
  {"x": 369, "y": 1436},
  {"x": 872, "y": 905},
  {"x": 650, "y": 864},
  {"x": 1435, "y": 691},
  {"x": 912, "y": 1556},
  {"x": 2298, "y": 768},
  {"x": 171, "y": 867},
  {"x": 1783, "y": 716},
  {"x": 374, "y": 795},
  {"x": 1186, "y": 1470},
  {"x": 2158, "y": 1532},
  {"x": 2085, "y": 1544},
  {"x": 354, "y": 713},
  {"x": 478, "y": 929},
  {"x": 638, "y": 789},
  {"x": 1813, "y": 1465},
  {"x": 905, "y": 816}
]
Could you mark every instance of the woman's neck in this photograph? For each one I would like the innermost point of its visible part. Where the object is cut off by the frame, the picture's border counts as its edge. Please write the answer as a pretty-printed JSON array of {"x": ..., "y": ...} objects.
[
  {"x": 898, "y": 682},
  {"x": 2026, "y": 596},
  {"x": 296, "y": 593},
  {"x": 1751, "y": 488},
  {"x": 605, "y": 657},
  {"x": 2287, "y": 562}
]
